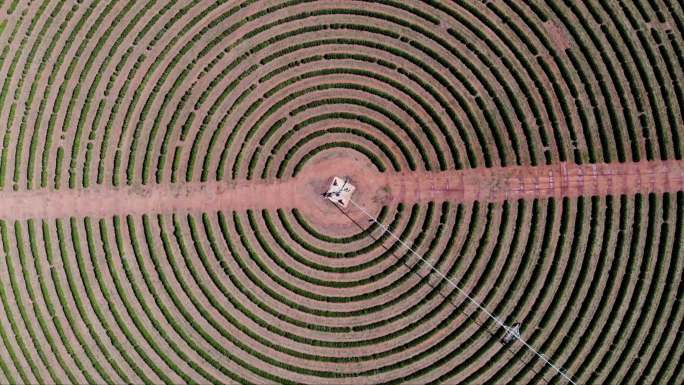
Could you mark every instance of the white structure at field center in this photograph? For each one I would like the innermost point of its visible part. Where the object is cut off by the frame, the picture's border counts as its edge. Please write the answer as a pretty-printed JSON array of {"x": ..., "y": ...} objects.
[{"x": 340, "y": 191}]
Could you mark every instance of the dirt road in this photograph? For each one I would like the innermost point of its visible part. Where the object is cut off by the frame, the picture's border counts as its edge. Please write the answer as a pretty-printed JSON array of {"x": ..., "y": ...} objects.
[
  {"x": 373, "y": 189},
  {"x": 561, "y": 180}
]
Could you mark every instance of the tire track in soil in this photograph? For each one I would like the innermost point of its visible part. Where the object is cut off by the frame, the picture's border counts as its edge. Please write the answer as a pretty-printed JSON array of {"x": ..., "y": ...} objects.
[{"x": 374, "y": 189}]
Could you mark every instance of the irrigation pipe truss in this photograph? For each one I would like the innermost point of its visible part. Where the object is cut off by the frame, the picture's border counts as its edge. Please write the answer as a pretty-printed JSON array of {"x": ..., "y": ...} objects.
[{"x": 468, "y": 297}]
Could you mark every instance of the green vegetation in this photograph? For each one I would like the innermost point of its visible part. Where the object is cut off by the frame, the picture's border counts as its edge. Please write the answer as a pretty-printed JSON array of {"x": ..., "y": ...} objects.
[{"x": 105, "y": 95}]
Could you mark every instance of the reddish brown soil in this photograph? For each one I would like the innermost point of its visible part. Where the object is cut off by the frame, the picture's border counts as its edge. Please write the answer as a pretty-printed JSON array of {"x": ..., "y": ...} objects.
[
  {"x": 557, "y": 35},
  {"x": 561, "y": 180},
  {"x": 373, "y": 190}
]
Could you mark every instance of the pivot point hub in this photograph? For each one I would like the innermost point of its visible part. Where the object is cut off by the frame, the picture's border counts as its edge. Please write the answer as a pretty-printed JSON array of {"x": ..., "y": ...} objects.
[{"x": 340, "y": 191}]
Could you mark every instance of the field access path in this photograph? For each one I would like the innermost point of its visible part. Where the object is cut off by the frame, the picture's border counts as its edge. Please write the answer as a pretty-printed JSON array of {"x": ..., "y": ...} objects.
[{"x": 374, "y": 189}]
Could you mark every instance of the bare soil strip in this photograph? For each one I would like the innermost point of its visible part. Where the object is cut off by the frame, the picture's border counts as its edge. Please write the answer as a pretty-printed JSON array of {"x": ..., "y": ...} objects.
[
  {"x": 493, "y": 184},
  {"x": 522, "y": 182}
]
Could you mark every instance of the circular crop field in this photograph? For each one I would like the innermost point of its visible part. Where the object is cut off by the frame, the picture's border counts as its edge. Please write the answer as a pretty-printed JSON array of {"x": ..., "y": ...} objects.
[{"x": 162, "y": 165}]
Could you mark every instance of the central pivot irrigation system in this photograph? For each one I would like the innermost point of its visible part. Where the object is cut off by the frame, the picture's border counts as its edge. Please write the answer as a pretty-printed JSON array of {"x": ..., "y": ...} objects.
[
  {"x": 340, "y": 194},
  {"x": 340, "y": 191}
]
